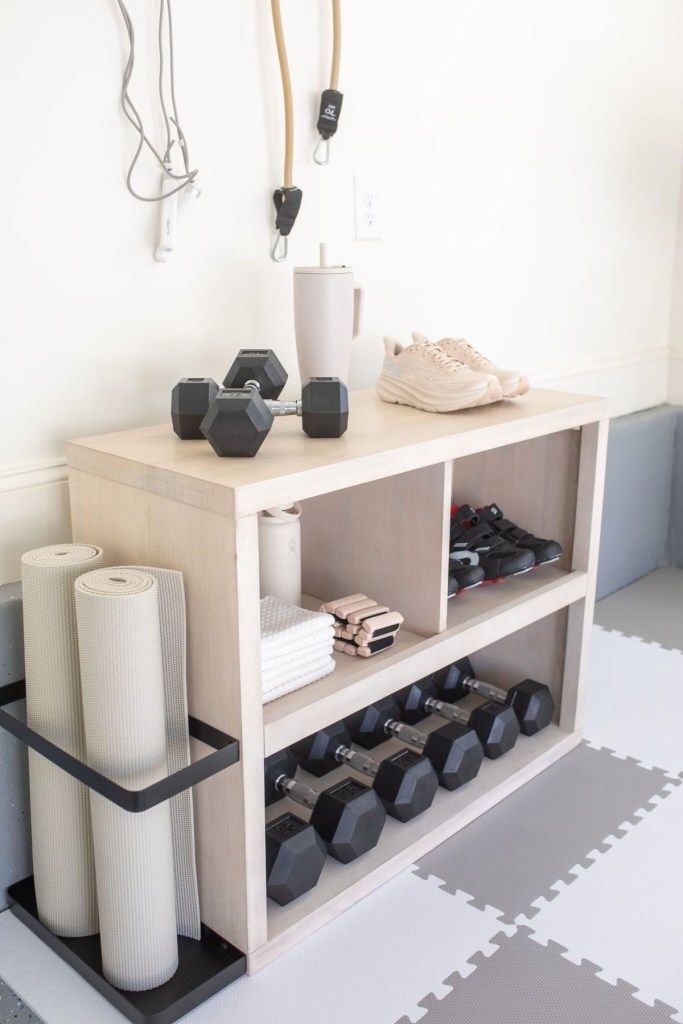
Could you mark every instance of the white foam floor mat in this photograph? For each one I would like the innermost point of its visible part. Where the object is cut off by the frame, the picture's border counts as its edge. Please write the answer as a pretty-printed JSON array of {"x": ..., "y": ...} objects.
[
  {"x": 407, "y": 951},
  {"x": 634, "y": 702},
  {"x": 370, "y": 966}
]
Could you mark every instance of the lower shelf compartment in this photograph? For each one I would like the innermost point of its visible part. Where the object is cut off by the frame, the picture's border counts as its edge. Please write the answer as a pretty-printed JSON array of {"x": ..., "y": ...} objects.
[
  {"x": 205, "y": 966},
  {"x": 342, "y": 885}
]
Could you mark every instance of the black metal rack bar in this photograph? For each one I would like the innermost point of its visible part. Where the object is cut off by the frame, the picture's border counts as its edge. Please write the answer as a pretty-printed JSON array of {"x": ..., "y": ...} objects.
[
  {"x": 206, "y": 965},
  {"x": 227, "y": 753}
]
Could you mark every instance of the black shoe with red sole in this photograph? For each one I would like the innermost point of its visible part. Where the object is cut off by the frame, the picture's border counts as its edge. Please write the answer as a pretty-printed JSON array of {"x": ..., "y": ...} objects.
[
  {"x": 544, "y": 551},
  {"x": 465, "y": 572},
  {"x": 494, "y": 554}
]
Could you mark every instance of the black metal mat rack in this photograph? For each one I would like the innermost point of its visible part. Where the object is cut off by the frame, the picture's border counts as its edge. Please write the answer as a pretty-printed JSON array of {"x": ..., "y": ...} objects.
[{"x": 206, "y": 965}]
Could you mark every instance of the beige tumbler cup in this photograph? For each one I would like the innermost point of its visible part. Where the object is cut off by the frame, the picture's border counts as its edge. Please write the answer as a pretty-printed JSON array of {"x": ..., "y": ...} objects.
[
  {"x": 279, "y": 545},
  {"x": 327, "y": 311}
]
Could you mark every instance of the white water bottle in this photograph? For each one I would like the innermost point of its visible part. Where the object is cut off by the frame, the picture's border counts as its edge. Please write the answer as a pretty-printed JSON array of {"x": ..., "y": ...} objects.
[
  {"x": 279, "y": 544},
  {"x": 327, "y": 313}
]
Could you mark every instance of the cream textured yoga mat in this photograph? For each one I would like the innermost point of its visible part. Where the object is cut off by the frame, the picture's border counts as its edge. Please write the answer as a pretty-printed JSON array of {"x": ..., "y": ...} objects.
[
  {"x": 171, "y": 591},
  {"x": 63, "y": 865},
  {"x": 122, "y": 679}
]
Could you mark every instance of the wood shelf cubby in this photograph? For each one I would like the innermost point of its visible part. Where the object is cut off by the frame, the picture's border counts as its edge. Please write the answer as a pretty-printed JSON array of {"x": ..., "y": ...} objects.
[{"x": 375, "y": 519}]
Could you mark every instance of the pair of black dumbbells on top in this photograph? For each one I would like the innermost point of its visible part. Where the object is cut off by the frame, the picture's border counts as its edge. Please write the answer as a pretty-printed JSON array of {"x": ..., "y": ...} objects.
[
  {"x": 347, "y": 818},
  {"x": 237, "y": 418}
]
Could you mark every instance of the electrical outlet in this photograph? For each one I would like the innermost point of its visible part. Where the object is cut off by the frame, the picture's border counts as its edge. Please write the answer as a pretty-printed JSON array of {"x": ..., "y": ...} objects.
[{"x": 367, "y": 210}]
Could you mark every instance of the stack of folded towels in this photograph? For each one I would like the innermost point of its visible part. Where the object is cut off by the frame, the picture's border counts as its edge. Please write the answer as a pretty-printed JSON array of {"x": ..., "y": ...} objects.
[{"x": 296, "y": 647}]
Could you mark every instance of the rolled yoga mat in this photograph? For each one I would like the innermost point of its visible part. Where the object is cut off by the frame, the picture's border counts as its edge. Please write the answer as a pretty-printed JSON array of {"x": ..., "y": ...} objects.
[
  {"x": 122, "y": 680},
  {"x": 63, "y": 864}
]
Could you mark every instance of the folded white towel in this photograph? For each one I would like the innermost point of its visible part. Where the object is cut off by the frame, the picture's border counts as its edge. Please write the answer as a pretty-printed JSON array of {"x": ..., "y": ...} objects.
[
  {"x": 315, "y": 670},
  {"x": 288, "y": 669},
  {"x": 322, "y": 643},
  {"x": 283, "y": 623},
  {"x": 296, "y": 647}
]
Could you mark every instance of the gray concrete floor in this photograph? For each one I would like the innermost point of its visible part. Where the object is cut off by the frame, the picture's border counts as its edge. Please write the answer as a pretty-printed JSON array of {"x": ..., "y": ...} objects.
[{"x": 651, "y": 608}]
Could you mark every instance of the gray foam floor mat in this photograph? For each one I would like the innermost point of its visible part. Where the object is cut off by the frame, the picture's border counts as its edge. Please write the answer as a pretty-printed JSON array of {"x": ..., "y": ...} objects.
[
  {"x": 13, "y": 1010},
  {"x": 525, "y": 983},
  {"x": 649, "y": 608},
  {"x": 516, "y": 851}
]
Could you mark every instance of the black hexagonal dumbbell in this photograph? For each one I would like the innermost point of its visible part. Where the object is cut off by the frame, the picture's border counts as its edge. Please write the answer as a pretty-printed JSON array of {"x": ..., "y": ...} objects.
[
  {"x": 532, "y": 702},
  {"x": 260, "y": 365},
  {"x": 454, "y": 750},
  {"x": 190, "y": 399},
  {"x": 295, "y": 856},
  {"x": 348, "y": 817},
  {"x": 497, "y": 727},
  {"x": 238, "y": 421},
  {"x": 192, "y": 396},
  {"x": 404, "y": 781}
]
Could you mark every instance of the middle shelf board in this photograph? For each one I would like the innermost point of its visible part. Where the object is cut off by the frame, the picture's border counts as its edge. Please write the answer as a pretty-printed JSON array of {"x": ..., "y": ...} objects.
[{"x": 475, "y": 619}]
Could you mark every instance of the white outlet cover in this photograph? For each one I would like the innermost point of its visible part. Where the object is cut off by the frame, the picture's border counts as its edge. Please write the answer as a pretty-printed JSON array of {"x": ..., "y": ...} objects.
[{"x": 368, "y": 210}]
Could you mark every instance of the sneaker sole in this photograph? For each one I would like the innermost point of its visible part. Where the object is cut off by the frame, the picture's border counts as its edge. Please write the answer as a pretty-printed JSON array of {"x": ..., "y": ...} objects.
[
  {"x": 521, "y": 389},
  {"x": 398, "y": 392}
]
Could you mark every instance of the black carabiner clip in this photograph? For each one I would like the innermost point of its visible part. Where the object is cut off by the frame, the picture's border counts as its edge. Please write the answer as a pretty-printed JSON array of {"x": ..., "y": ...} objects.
[{"x": 287, "y": 202}]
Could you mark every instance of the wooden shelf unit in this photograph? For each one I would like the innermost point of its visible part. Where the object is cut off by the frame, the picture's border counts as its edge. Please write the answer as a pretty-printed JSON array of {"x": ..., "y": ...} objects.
[{"x": 375, "y": 518}]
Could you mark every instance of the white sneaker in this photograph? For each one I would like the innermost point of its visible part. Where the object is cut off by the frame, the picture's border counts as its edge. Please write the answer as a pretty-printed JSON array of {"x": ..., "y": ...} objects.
[
  {"x": 424, "y": 376},
  {"x": 512, "y": 382}
]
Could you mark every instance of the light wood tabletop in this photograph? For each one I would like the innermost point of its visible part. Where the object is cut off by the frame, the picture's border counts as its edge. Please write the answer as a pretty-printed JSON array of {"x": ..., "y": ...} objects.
[{"x": 382, "y": 440}]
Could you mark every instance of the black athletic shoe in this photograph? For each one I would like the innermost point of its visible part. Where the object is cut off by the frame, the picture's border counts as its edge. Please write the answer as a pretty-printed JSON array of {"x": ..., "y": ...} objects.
[
  {"x": 544, "y": 551},
  {"x": 464, "y": 568},
  {"x": 496, "y": 556}
]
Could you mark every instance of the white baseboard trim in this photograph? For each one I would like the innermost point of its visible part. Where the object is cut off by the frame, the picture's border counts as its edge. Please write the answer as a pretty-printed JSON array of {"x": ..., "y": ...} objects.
[
  {"x": 631, "y": 381},
  {"x": 16, "y": 478}
]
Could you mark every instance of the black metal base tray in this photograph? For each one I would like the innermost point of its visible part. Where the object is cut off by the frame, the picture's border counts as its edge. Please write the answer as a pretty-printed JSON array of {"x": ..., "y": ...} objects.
[{"x": 206, "y": 966}]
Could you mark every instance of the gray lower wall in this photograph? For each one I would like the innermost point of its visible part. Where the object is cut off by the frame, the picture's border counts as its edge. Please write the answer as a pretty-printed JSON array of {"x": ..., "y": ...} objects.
[
  {"x": 676, "y": 523},
  {"x": 15, "y": 839},
  {"x": 643, "y": 507}
]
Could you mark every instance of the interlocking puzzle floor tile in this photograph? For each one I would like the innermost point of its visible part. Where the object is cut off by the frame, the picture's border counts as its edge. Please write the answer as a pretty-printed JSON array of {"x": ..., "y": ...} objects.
[
  {"x": 634, "y": 700},
  {"x": 369, "y": 966},
  {"x": 648, "y": 608},
  {"x": 524, "y": 983},
  {"x": 626, "y": 912},
  {"x": 516, "y": 851}
]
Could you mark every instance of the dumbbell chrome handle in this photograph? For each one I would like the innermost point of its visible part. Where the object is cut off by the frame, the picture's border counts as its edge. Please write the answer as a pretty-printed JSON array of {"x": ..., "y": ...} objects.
[
  {"x": 277, "y": 408},
  {"x": 450, "y": 711},
  {"x": 361, "y": 762},
  {"x": 487, "y": 690},
  {"x": 284, "y": 408},
  {"x": 406, "y": 733},
  {"x": 298, "y": 791}
]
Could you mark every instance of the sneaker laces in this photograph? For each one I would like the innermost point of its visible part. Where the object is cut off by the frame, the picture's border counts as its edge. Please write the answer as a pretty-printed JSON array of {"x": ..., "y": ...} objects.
[
  {"x": 439, "y": 357},
  {"x": 475, "y": 356}
]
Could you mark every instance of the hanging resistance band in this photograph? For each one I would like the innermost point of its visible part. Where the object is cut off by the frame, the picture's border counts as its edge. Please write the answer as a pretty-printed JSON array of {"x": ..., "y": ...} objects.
[
  {"x": 331, "y": 99},
  {"x": 177, "y": 190},
  {"x": 287, "y": 200}
]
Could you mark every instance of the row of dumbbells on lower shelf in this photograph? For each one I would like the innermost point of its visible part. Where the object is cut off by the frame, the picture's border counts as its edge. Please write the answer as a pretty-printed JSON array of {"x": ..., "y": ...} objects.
[{"x": 347, "y": 818}]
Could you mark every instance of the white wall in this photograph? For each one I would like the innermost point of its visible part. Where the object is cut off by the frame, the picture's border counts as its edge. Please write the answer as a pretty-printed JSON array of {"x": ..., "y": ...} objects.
[{"x": 528, "y": 157}]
